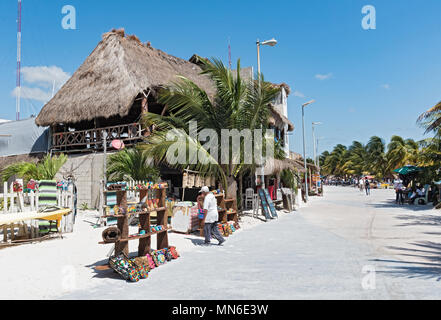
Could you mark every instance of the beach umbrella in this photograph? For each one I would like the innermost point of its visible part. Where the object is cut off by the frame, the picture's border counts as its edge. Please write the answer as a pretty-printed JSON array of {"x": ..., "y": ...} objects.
[{"x": 407, "y": 170}]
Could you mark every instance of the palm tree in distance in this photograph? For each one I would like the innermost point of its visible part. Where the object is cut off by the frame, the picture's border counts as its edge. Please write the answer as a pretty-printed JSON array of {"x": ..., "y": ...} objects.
[
  {"x": 376, "y": 157},
  {"x": 401, "y": 152}
]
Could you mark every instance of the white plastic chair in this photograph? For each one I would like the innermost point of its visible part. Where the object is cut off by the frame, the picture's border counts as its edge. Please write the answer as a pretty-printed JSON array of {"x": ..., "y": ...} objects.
[{"x": 249, "y": 196}]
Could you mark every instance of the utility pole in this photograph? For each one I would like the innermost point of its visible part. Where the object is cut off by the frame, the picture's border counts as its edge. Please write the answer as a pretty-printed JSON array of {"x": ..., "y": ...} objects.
[{"x": 18, "y": 82}]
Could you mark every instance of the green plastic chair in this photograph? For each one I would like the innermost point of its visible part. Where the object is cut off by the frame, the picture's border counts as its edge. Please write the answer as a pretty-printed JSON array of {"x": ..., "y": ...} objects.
[{"x": 47, "y": 197}]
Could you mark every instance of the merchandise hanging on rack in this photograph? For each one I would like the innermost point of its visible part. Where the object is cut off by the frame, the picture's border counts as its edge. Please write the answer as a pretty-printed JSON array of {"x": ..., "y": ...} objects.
[{"x": 153, "y": 200}]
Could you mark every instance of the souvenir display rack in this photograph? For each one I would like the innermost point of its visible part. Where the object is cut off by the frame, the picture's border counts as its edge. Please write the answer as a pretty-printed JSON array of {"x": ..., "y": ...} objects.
[
  {"x": 227, "y": 209},
  {"x": 156, "y": 203}
]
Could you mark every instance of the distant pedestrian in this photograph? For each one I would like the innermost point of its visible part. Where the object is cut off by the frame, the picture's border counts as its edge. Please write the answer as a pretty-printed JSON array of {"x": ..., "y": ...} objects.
[
  {"x": 399, "y": 190},
  {"x": 399, "y": 187},
  {"x": 361, "y": 185},
  {"x": 367, "y": 186}
]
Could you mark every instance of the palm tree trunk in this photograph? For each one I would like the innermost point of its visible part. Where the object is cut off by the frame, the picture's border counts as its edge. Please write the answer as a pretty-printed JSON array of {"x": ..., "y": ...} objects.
[
  {"x": 231, "y": 189},
  {"x": 240, "y": 190}
]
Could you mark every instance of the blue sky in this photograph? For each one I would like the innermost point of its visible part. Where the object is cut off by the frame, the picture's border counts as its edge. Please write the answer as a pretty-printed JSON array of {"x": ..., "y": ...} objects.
[{"x": 377, "y": 81}]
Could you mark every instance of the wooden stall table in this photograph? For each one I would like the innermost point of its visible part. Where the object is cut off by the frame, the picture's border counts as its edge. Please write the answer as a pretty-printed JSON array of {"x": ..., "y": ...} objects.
[{"x": 10, "y": 219}]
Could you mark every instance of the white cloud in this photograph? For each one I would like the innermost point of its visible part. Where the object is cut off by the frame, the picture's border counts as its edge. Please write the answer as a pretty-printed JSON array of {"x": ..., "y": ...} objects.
[
  {"x": 45, "y": 76},
  {"x": 33, "y": 94},
  {"x": 386, "y": 86},
  {"x": 298, "y": 94},
  {"x": 322, "y": 77},
  {"x": 42, "y": 78}
]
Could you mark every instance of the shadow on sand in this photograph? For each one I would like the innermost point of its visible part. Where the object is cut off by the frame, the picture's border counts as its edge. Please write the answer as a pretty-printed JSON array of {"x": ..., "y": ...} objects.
[
  {"x": 388, "y": 204},
  {"x": 422, "y": 261},
  {"x": 106, "y": 273},
  {"x": 196, "y": 241}
]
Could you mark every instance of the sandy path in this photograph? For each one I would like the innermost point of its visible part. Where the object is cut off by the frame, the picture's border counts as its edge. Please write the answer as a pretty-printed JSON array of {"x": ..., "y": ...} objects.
[
  {"x": 319, "y": 252},
  {"x": 404, "y": 243}
]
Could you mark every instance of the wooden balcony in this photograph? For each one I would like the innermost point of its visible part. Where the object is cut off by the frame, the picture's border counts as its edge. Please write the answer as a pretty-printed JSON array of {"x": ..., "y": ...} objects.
[{"x": 93, "y": 139}]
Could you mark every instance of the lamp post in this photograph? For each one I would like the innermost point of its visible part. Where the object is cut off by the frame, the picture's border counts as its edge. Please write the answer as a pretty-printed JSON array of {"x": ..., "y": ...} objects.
[
  {"x": 304, "y": 147},
  {"x": 314, "y": 140},
  {"x": 272, "y": 42},
  {"x": 317, "y": 151}
]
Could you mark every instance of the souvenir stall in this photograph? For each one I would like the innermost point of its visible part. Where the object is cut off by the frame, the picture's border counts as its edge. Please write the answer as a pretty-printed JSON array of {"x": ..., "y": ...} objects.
[
  {"x": 192, "y": 182},
  {"x": 185, "y": 217},
  {"x": 152, "y": 200}
]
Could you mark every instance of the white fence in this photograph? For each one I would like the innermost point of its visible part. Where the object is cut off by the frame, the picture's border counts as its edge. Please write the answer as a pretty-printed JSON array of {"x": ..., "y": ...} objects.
[
  {"x": 14, "y": 202},
  {"x": 131, "y": 193},
  {"x": 18, "y": 202}
]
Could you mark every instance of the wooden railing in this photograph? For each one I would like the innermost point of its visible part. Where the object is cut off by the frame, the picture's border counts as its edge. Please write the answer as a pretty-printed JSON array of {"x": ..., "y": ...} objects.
[{"x": 94, "y": 138}]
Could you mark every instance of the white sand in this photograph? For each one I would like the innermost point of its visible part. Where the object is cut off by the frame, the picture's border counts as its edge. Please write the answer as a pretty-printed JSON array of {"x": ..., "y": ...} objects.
[{"x": 57, "y": 267}]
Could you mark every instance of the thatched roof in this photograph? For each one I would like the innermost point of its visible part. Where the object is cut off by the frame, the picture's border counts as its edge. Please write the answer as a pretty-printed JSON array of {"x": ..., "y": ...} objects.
[
  {"x": 284, "y": 86},
  {"x": 300, "y": 162},
  {"x": 109, "y": 80},
  {"x": 277, "y": 119},
  {"x": 275, "y": 166}
]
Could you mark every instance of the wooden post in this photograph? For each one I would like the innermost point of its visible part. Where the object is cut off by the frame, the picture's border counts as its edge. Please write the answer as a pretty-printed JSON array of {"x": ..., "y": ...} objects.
[
  {"x": 162, "y": 217},
  {"x": 25, "y": 230},
  {"x": 5, "y": 234},
  {"x": 12, "y": 227},
  {"x": 103, "y": 202},
  {"x": 144, "y": 221},
  {"x": 123, "y": 225}
]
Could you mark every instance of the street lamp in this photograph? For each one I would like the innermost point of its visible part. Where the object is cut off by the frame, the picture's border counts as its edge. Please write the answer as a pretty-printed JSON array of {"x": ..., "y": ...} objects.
[
  {"x": 317, "y": 151},
  {"x": 304, "y": 147},
  {"x": 314, "y": 140},
  {"x": 272, "y": 42}
]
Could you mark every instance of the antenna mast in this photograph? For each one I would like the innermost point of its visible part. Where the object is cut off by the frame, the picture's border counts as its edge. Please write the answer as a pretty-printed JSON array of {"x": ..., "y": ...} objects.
[
  {"x": 17, "y": 106},
  {"x": 229, "y": 53}
]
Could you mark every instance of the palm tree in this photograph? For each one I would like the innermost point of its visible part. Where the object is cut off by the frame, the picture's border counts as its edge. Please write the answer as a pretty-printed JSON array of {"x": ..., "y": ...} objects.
[
  {"x": 235, "y": 105},
  {"x": 131, "y": 164},
  {"x": 46, "y": 169},
  {"x": 401, "y": 152},
  {"x": 431, "y": 119},
  {"x": 356, "y": 164},
  {"x": 377, "y": 160},
  {"x": 322, "y": 158},
  {"x": 430, "y": 153},
  {"x": 334, "y": 162}
]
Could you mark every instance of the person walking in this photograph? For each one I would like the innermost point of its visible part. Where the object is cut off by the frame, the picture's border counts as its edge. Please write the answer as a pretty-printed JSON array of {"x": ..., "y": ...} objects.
[
  {"x": 211, "y": 217},
  {"x": 367, "y": 186},
  {"x": 398, "y": 186},
  {"x": 361, "y": 184}
]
